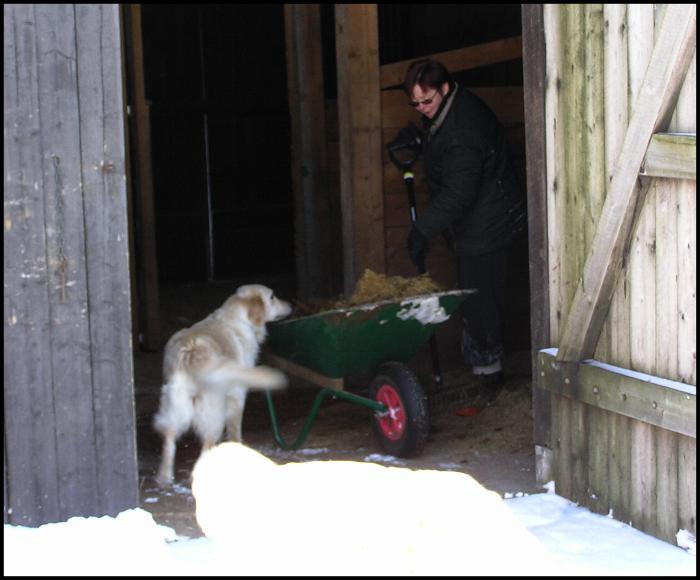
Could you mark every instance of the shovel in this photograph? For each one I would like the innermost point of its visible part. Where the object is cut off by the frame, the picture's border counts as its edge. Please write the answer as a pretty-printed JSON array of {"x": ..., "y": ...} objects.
[{"x": 403, "y": 155}]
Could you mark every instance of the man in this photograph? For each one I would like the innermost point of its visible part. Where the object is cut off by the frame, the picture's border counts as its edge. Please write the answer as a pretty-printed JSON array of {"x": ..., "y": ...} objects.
[{"x": 475, "y": 198}]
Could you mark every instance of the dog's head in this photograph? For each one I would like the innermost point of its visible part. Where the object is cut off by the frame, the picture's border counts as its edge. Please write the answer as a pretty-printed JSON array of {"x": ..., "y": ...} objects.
[{"x": 261, "y": 304}]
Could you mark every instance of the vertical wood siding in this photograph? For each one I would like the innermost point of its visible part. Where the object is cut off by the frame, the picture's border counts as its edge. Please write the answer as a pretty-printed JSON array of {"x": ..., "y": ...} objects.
[
  {"x": 597, "y": 56},
  {"x": 69, "y": 414}
]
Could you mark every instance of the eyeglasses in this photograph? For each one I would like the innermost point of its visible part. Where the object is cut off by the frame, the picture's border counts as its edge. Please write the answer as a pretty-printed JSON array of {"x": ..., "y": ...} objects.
[{"x": 424, "y": 101}]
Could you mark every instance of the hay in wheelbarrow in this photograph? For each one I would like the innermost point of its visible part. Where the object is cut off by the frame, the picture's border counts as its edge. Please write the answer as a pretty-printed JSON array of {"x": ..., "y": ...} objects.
[
  {"x": 355, "y": 339},
  {"x": 374, "y": 287}
]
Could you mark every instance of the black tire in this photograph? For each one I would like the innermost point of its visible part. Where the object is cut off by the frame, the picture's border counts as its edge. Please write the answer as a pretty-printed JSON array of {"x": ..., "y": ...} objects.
[{"x": 404, "y": 432}]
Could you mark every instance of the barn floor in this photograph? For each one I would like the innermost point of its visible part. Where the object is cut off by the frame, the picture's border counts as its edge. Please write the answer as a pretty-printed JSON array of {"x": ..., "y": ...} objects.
[{"x": 494, "y": 446}]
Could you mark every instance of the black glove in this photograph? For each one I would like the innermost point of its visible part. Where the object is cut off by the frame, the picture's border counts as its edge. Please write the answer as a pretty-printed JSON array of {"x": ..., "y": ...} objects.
[
  {"x": 409, "y": 137},
  {"x": 417, "y": 245}
]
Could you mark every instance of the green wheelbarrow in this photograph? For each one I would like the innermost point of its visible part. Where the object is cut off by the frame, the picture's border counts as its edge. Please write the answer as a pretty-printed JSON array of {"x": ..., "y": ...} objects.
[{"x": 325, "y": 347}]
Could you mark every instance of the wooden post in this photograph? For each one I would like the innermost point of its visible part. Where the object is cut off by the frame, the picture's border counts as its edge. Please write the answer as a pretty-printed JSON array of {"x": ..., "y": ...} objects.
[
  {"x": 146, "y": 264},
  {"x": 359, "y": 120},
  {"x": 535, "y": 130},
  {"x": 106, "y": 224},
  {"x": 70, "y": 438},
  {"x": 307, "y": 111},
  {"x": 670, "y": 60}
]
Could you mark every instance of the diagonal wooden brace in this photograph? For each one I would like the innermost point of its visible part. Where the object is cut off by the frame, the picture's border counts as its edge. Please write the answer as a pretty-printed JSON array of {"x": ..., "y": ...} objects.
[{"x": 672, "y": 55}]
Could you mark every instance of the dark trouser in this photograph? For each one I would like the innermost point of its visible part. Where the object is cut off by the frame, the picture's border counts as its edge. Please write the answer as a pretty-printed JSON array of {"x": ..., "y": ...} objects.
[{"x": 483, "y": 312}]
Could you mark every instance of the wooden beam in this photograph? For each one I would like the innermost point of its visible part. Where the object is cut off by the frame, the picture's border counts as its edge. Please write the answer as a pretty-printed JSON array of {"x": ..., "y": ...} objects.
[
  {"x": 656, "y": 401},
  {"x": 308, "y": 127},
  {"x": 534, "y": 54},
  {"x": 670, "y": 155},
  {"x": 360, "y": 128},
  {"x": 670, "y": 60},
  {"x": 30, "y": 421},
  {"x": 459, "y": 60},
  {"x": 106, "y": 218}
]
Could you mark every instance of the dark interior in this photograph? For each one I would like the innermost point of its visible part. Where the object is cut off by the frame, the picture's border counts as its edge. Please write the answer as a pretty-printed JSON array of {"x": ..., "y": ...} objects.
[{"x": 216, "y": 81}]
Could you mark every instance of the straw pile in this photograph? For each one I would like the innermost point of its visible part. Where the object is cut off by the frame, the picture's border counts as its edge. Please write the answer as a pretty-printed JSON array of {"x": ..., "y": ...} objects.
[{"x": 373, "y": 287}]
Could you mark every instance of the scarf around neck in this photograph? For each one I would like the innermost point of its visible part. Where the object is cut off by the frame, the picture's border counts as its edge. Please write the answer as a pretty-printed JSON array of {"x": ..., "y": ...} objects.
[{"x": 435, "y": 124}]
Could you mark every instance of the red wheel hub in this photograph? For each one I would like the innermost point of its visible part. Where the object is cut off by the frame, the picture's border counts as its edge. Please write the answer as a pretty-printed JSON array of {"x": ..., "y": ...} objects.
[{"x": 393, "y": 423}]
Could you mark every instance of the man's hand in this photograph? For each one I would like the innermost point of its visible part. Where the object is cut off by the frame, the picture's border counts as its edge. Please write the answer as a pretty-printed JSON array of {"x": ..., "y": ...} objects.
[
  {"x": 409, "y": 137},
  {"x": 417, "y": 246}
]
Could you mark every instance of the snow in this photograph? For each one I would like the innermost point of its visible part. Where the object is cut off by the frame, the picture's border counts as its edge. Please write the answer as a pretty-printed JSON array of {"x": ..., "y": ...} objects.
[
  {"x": 668, "y": 383},
  {"x": 425, "y": 310},
  {"x": 580, "y": 542}
]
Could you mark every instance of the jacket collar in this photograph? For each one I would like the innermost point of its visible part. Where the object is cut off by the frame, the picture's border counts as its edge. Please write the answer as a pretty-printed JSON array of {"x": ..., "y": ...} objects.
[{"x": 436, "y": 123}]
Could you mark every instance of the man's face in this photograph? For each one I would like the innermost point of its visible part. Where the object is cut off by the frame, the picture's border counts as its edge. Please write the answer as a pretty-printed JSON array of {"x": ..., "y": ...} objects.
[{"x": 427, "y": 101}]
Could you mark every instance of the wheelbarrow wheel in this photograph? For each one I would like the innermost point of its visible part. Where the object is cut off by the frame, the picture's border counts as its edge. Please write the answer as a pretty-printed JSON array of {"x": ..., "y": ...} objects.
[{"x": 403, "y": 430}]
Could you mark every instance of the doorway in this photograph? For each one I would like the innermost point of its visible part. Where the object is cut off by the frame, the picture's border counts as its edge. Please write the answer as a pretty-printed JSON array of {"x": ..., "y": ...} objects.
[{"x": 220, "y": 140}]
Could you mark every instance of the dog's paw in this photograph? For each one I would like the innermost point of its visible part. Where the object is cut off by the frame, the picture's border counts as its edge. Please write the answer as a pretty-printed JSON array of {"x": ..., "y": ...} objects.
[{"x": 164, "y": 480}]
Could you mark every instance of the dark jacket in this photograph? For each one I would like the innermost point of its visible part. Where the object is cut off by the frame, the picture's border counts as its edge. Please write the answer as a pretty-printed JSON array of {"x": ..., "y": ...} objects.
[{"x": 471, "y": 181}]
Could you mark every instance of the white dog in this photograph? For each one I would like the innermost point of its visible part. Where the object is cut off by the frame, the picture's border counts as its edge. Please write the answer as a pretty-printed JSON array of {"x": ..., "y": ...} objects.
[
  {"x": 208, "y": 369},
  {"x": 356, "y": 518}
]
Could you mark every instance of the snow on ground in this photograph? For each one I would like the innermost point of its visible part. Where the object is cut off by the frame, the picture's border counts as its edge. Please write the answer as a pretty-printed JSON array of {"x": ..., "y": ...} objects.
[{"x": 581, "y": 542}]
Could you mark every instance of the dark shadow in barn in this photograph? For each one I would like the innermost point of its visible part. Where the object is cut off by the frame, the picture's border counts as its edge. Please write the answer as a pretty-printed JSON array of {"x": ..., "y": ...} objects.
[{"x": 222, "y": 209}]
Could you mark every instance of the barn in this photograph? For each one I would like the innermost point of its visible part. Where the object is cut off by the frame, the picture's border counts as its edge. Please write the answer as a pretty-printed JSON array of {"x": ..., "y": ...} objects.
[{"x": 104, "y": 207}]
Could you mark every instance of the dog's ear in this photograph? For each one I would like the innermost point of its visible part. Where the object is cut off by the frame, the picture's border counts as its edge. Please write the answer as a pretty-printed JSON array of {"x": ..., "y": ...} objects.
[{"x": 256, "y": 310}]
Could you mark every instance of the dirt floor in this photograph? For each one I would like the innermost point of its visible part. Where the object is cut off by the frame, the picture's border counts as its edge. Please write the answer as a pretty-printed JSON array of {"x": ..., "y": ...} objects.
[{"x": 494, "y": 446}]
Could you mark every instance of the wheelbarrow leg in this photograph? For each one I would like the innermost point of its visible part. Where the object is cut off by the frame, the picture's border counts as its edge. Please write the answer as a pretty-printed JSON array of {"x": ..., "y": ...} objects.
[{"x": 323, "y": 393}]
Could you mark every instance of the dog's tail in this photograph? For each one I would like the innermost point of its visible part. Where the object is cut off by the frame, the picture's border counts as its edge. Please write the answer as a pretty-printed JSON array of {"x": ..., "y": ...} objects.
[{"x": 259, "y": 377}]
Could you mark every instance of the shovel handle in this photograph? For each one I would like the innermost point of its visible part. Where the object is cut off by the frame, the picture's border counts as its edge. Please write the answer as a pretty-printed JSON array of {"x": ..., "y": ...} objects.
[{"x": 408, "y": 180}]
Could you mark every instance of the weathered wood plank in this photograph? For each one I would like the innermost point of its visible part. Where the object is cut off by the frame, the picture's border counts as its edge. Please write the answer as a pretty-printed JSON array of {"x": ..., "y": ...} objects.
[
  {"x": 687, "y": 282},
  {"x": 687, "y": 484},
  {"x": 657, "y": 401},
  {"x": 461, "y": 59},
  {"x": 571, "y": 121},
  {"x": 593, "y": 176},
  {"x": 642, "y": 268},
  {"x": 610, "y": 483},
  {"x": 64, "y": 193},
  {"x": 562, "y": 445},
  {"x": 670, "y": 155},
  {"x": 685, "y": 119},
  {"x": 666, "y": 279},
  {"x": 99, "y": 66},
  {"x": 307, "y": 111},
  {"x": 30, "y": 429},
  {"x": 534, "y": 81},
  {"x": 556, "y": 184},
  {"x": 579, "y": 453},
  {"x": 666, "y": 485},
  {"x": 620, "y": 466},
  {"x": 642, "y": 259},
  {"x": 598, "y": 445},
  {"x": 359, "y": 114},
  {"x": 616, "y": 327},
  {"x": 670, "y": 60},
  {"x": 642, "y": 488}
]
